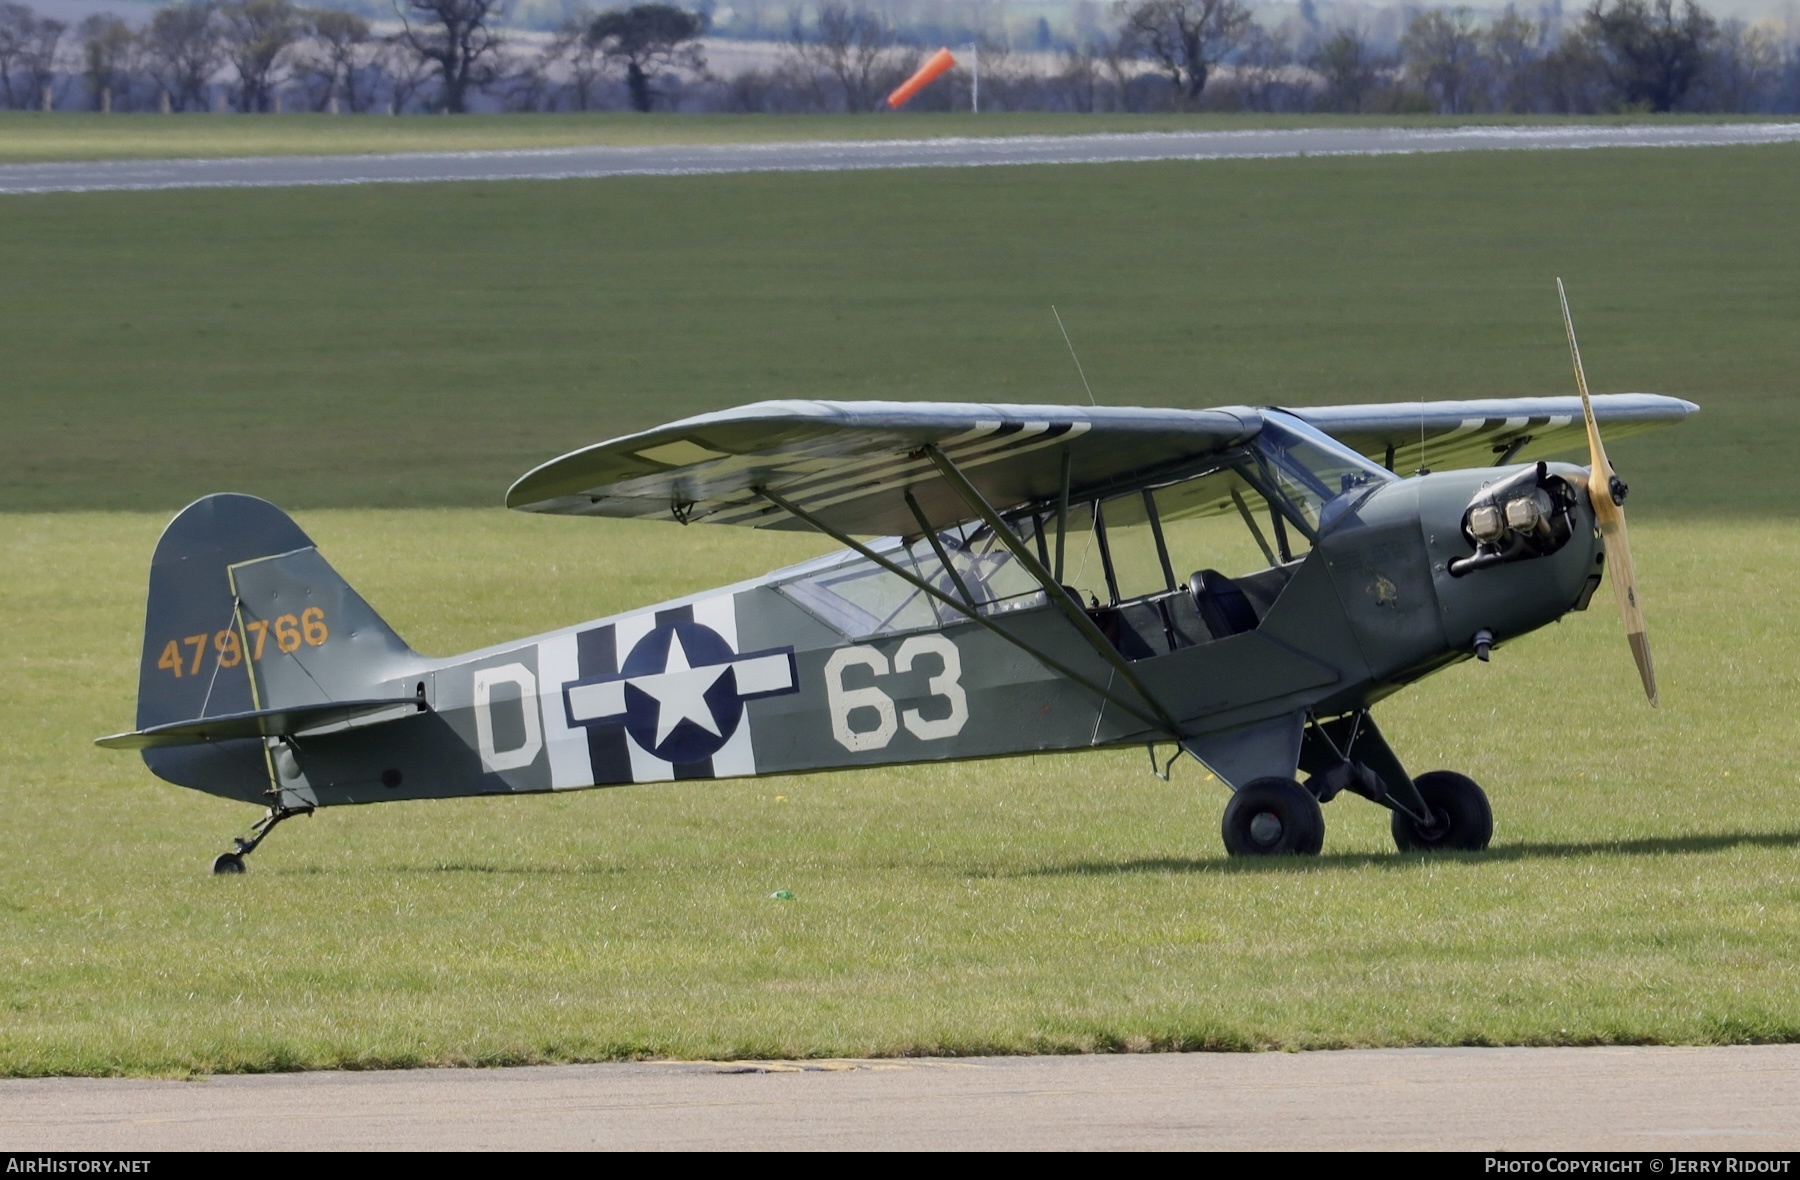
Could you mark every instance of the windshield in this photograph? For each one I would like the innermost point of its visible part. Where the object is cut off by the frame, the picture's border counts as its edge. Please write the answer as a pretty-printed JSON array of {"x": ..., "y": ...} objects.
[{"x": 1322, "y": 476}]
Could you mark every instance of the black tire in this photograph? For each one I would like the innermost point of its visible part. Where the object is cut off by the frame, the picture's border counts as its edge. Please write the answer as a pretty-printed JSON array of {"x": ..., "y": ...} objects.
[
  {"x": 1466, "y": 822},
  {"x": 1273, "y": 817},
  {"x": 227, "y": 863}
]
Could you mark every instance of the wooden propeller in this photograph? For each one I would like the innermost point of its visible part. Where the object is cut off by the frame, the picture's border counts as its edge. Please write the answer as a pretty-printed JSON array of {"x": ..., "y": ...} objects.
[{"x": 1606, "y": 491}]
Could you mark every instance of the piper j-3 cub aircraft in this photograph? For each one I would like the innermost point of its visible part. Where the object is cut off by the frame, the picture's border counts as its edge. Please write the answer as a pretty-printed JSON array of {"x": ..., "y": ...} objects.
[{"x": 1239, "y": 584}]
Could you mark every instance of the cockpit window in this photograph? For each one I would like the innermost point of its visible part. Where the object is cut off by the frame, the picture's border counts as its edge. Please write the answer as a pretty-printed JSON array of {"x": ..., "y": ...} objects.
[
  {"x": 1250, "y": 516},
  {"x": 1320, "y": 476},
  {"x": 1222, "y": 520}
]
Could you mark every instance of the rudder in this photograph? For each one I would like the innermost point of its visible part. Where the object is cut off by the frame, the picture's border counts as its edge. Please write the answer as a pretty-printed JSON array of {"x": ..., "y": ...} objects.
[
  {"x": 188, "y": 668},
  {"x": 243, "y": 614}
]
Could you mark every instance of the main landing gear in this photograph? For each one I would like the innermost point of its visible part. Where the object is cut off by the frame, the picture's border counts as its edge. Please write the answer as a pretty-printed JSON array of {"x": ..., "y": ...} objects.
[
  {"x": 1438, "y": 811},
  {"x": 1464, "y": 821},
  {"x": 232, "y": 863}
]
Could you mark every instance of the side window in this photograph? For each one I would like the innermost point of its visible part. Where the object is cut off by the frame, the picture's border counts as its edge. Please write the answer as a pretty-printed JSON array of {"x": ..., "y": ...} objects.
[
  {"x": 1221, "y": 522},
  {"x": 1082, "y": 569},
  {"x": 1131, "y": 544}
]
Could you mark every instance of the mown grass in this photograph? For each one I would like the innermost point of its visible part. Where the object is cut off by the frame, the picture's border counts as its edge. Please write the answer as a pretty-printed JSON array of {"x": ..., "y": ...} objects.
[
  {"x": 342, "y": 349},
  {"x": 34, "y": 137},
  {"x": 426, "y": 344},
  {"x": 1644, "y": 884}
]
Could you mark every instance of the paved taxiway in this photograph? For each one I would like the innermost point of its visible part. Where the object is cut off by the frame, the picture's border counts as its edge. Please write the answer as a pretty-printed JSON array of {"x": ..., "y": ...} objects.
[
  {"x": 579, "y": 162},
  {"x": 1621, "y": 1099}
]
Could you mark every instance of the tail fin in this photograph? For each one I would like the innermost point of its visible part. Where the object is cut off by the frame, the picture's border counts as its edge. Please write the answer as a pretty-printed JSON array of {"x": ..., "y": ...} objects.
[{"x": 244, "y": 615}]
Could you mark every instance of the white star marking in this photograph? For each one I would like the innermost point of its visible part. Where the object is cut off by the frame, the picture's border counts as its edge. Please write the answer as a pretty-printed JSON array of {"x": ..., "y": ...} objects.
[{"x": 679, "y": 691}]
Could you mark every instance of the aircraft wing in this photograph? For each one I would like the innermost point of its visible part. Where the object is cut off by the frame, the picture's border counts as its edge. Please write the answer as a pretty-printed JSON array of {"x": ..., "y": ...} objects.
[
  {"x": 1479, "y": 433},
  {"x": 850, "y": 464}
]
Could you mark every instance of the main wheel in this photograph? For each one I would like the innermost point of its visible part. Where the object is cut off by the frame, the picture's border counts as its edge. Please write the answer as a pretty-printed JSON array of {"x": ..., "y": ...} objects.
[
  {"x": 227, "y": 862},
  {"x": 1273, "y": 817},
  {"x": 1465, "y": 821}
]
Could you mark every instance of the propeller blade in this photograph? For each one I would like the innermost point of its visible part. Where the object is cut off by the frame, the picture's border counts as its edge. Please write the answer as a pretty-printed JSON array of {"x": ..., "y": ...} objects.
[{"x": 1606, "y": 491}]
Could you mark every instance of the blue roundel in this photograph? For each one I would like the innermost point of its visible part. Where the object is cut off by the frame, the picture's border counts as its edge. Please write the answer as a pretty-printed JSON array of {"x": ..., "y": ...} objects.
[{"x": 703, "y": 648}]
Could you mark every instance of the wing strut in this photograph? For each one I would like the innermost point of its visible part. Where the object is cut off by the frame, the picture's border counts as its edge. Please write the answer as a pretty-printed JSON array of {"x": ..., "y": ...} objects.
[
  {"x": 1052, "y": 590},
  {"x": 967, "y": 610},
  {"x": 937, "y": 547}
]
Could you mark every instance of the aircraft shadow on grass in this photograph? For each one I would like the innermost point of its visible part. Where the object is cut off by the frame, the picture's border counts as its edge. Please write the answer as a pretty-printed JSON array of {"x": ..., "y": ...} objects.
[
  {"x": 1536, "y": 850},
  {"x": 1529, "y": 850}
]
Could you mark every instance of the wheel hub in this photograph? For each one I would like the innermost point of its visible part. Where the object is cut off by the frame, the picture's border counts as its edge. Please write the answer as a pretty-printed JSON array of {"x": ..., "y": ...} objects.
[{"x": 1265, "y": 828}]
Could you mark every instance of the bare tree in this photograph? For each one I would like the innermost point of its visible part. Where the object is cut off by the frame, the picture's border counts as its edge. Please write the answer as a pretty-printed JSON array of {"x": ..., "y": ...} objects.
[
  {"x": 108, "y": 53},
  {"x": 41, "y": 58},
  {"x": 1511, "y": 46},
  {"x": 1572, "y": 78},
  {"x": 1187, "y": 38},
  {"x": 16, "y": 25},
  {"x": 1119, "y": 56},
  {"x": 460, "y": 41},
  {"x": 1442, "y": 53},
  {"x": 28, "y": 48},
  {"x": 1652, "y": 53},
  {"x": 405, "y": 72},
  {"x": 182, "y": 51},
  {"x": 851, "y": 46},
  {"x": 1078, "y": 81},
  {"x": 1350, "y": 69},
  {"x": 647, "y": 38},
  {"x": 1743, "y": 69},
  {"x": 522, "y": 81},
  {"x": 258, "y": 38},
  {"x": 580, "y": 58},
  {"x": 1262, "y": 67},
  {"x": 338, "y": 59}
]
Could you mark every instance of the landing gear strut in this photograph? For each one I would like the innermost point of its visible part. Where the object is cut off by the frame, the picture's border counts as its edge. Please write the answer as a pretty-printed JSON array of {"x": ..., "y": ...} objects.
[
  {"x": 233, "y": 862},
  {"x": 1440, "y": 810}
]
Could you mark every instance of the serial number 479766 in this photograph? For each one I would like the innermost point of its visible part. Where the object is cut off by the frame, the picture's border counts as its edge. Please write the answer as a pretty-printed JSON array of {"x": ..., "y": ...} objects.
[{"x": 290, "y": 631}]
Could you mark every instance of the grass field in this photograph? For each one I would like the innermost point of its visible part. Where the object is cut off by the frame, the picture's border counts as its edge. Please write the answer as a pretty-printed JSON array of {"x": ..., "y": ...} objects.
[
  {"x": 427, "y": 344},
  {"x": 30, "y": 137},
  {"x": 1644, "y": 884},
  {"x": 380, "y": 357}
]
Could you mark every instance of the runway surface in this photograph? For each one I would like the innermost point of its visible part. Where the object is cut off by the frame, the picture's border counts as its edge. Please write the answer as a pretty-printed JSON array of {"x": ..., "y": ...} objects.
[
  {"x": 1621, "y": 1099},
  {"x": 587, "y": 162}
]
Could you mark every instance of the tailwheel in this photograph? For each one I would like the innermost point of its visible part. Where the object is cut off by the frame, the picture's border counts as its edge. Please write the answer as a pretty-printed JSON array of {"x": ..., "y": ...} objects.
[
  {"x": 1464, "y": 821},
  {"x": 233, "y": 862},
  {"x": 1273, "y": 817}
]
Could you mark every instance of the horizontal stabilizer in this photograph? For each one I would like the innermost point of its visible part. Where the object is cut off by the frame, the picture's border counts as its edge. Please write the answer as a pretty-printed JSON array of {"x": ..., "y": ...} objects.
[{"x": 261, "y": 723}]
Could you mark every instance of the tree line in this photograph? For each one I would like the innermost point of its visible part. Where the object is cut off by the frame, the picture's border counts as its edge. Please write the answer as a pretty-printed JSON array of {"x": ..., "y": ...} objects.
[{"x": 1151, "y": 55}]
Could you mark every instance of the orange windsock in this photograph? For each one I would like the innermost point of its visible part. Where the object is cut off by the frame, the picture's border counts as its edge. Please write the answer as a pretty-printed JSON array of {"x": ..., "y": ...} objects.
[{"x": 934, "y": 66}]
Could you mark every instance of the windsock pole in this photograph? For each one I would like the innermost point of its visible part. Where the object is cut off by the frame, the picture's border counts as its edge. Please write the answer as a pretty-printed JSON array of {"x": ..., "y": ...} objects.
[{"x": 935, "y": 66}]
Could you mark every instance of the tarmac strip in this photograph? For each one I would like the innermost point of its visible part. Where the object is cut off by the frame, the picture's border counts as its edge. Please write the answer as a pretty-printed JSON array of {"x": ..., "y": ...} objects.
[
  {"x": 674, "y": 160},
  {"x": 1741, "y": 1098}
]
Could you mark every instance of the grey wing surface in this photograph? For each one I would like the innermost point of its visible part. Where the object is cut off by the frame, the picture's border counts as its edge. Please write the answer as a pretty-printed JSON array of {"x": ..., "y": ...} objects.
[
  {"x": 852, "y": 464},
  {"x": 1484, "y": 432}
]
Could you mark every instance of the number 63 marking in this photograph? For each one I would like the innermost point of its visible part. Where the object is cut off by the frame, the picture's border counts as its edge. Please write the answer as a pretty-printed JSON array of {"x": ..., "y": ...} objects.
[{"x": 846, "y": 701}]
